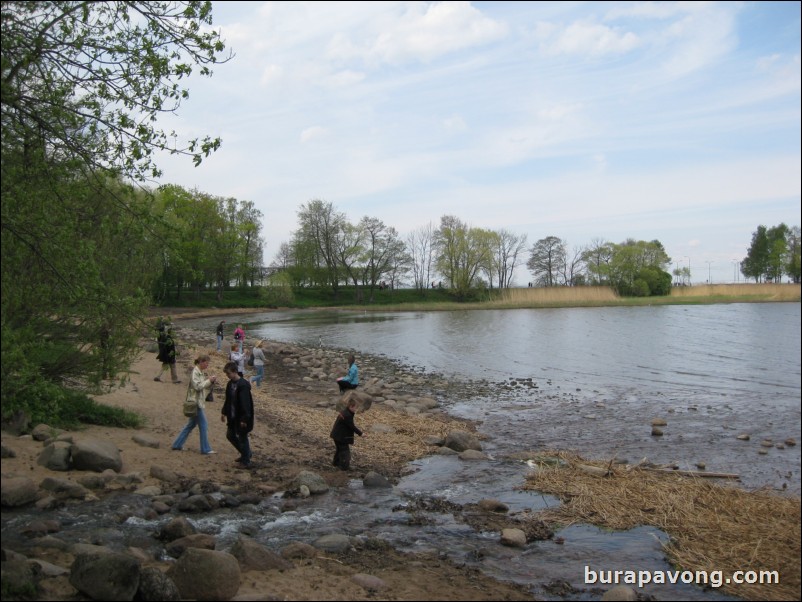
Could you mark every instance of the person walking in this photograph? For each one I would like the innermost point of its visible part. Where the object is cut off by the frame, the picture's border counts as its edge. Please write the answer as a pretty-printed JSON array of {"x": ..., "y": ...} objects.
[
  {"x": 236, "y": 356},
  {"x": 350, "y": 380},
  {"x": 239, "y": 336},
  {"x": 198, "y": 389},
  {"x": 237, "y": 412},
  {"x": 167, "y": 354},
  {"x": 343, "y": 434},
  {"x": 220, "y": 334},
  {"x": 259, "y": 360}
]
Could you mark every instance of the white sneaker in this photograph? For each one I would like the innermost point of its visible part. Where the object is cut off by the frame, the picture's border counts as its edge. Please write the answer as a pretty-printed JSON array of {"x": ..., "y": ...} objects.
[{"x": 209, "y": 453}]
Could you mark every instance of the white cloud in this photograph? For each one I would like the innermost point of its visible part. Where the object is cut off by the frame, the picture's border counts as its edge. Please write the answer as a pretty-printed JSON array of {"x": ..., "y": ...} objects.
[
  {"x": 312, "y": 133},
  {"x": 584, "y": 39},
  {"x": 421, "y": 32}
]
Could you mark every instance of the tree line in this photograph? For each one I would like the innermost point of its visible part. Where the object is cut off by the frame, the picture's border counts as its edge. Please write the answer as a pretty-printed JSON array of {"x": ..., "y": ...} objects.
[
  {"x": 328, "y": 250},
  {"x": 773, "y": 253}
]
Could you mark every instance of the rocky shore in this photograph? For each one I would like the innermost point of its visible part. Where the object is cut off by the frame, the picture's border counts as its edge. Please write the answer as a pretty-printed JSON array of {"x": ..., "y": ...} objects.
[{"x": 51, "y": 470}]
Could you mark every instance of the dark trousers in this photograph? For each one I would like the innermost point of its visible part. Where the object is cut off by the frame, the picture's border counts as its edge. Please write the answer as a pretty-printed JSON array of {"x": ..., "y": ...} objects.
[
  {"x": 345, "y": 385},
  {"x": 239, "y": 439},
  {"x": 342, "y": 456}
]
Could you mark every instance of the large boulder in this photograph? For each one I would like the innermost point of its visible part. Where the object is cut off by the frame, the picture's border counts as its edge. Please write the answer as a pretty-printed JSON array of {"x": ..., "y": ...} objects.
[
  {"x": 96, "y": 455},
  {"x": 462, "y": 440},
  {"x": 55, "y": 456},
  {"x": 17, "y": 491},
  {"x": 155, "y": 585},
  {"x": 253, "y": 556},
  {"x": 110, "y": 576},
  {"x": 176, "y": 529},
  {"x": 206, "y": 575},
  {"x": 363, "y": 400},
  {"x": 197, "y": 540},
  {"x": 312, "y": 480}
]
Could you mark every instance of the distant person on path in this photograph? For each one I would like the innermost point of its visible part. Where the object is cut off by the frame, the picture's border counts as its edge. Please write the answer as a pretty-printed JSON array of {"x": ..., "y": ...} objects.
[
  {"x": 350, "y": 380},
  {"x": 167, "y": 354},
  {"x": 238, "y": 358},
  {"x": 220, "y": 334},
  {"x": 239, "y": 336},
  {"x": 259, "y": 360},
  {"x": 198, "y": 389},
  {"x": 238, "y": 414},
  {"x": 343, "y": 434}
]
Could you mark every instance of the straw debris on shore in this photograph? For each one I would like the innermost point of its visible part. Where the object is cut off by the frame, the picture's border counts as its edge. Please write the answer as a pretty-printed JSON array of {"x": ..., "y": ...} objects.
[{"x": 712, "y": 527}]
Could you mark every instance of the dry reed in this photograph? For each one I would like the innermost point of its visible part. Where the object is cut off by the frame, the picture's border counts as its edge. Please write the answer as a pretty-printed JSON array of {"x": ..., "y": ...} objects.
[
  {"x": 712, "y": 527},
  {"x": 768, "y": 292},
  {"x": 560, "y": 295}
]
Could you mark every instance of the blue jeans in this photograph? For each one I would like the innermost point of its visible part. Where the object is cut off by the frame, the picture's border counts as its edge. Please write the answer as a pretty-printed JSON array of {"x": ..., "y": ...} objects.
[
  {"x": 200, "y": 420},
  {"x": 219, "y": 342},
  {"x": 239, "y": 439},
  {"x": 260, "y": 374}
]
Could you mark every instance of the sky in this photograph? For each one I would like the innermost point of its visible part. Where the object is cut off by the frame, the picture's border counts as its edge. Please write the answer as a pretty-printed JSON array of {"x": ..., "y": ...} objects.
[{"x": 669, "y": 121}]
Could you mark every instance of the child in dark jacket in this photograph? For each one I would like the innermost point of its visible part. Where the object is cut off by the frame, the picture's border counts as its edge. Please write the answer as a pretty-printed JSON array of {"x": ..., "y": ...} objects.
[{"x": 343, "y": 434}]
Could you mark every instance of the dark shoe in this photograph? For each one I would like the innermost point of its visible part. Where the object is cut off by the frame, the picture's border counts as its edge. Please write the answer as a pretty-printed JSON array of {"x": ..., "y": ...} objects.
[
  {"x": 176, "y": 382},
  {"x": 242, "y": 466},
  {"x": 157, "y": 379}
]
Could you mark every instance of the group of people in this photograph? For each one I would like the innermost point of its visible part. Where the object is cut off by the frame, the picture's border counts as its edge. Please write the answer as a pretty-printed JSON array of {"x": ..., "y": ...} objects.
[{"x": 238, "y": 409}]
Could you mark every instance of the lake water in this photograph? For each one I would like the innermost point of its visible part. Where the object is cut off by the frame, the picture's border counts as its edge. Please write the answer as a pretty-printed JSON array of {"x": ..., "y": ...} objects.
[{"x": 602, "y": 374}]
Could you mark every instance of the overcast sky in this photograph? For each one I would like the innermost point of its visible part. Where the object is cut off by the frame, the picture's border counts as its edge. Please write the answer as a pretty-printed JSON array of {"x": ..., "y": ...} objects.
[{"x": 601, "y": 120}]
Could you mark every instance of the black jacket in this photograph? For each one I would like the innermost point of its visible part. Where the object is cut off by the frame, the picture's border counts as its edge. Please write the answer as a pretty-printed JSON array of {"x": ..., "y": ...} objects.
[
  {"x": 344, "y": 427},
  {"x": 238, "y": 406}
]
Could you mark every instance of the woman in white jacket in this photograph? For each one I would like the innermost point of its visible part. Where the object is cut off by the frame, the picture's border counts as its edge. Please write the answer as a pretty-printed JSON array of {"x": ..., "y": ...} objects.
[{"x": 199, "y": 386}]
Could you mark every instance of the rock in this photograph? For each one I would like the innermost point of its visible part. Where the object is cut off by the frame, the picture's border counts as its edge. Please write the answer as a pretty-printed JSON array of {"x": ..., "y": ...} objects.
[
  {"x": 7, "y": 452},
  {"x": 303, "y": 491},
  {"x": 657, "y": 431},
  {"x": 743, "y": 437},
  {"x": 763, "y": 451},
  {"x": 374, "y": 479},
  {"x": 197, "y": 540},
  {"x": 363, "y": 400},
  {"x": 253, "y": 556},
  {"x": 107, "y": 576},
  {"x": 55, "y": 456},
  {"x": 514, "y": 538},
  {"x": 146, "y": 441},
  {"x": 64, "y": 488},
  {"x": 701, "y": 465},
  {"x": 196, "y": 503},
  {"x": 42, "y": 432},
  {"x": 790, "y": 442},
  {"x": 446, "y": 451},
  {"x": 164, "y": 474},
  {"x": 175, "y": 529},
  {"x": 622, "y": 593},
  {"x": 767, "y": 443},
  {"x": 298, "y": 550},
  {"x": 154, "y": 585},
  {"x": 17, "y": 491},
  {"x": 659, "y": 422},
  {"x": 369, "y": 582},
  {"x": 150, "y": 491},
  {"x": 96, "y": 455},
  {"x": 462, "y": 440},
  {"x": 333, "y": 542},
  {"x": 94, "y": 481},
  {"x": 493, "y": 505},
  {"x": 313, "y": 481},
  {"x": 206, "y": 575}
]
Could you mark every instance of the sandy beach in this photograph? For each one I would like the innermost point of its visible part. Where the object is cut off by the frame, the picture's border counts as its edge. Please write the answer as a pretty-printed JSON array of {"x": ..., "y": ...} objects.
[{"x": 293, "y": 420}]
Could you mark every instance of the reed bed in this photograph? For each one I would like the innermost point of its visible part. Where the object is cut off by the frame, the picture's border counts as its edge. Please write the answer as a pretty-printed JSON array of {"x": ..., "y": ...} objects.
[
  {"x": 766, "y": 292},
  {"x": 556, "y": 295},
  {"x": 711, "y": 527}
]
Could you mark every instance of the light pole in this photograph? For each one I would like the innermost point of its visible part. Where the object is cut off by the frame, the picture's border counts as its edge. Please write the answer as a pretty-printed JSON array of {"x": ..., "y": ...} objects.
[
  {"x": 708, "y": 271},
  {"x": 735, "y": 270}
]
